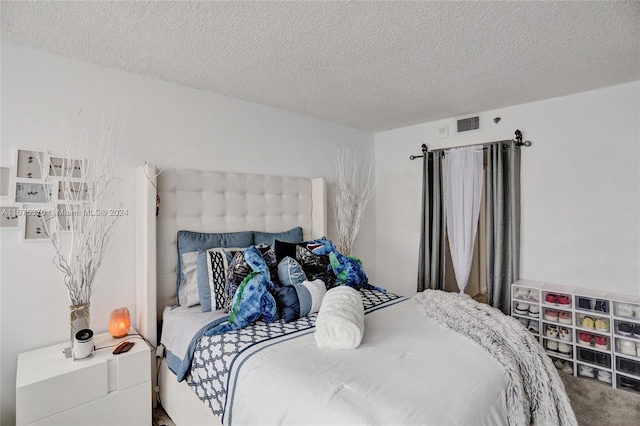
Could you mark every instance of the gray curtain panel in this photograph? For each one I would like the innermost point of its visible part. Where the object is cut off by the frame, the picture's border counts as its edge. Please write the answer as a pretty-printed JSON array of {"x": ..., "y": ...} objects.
[
  {"x": 423, "y": 250},
  {"x": 502, "y": 222},
  {"x": 431, "y": 252}
]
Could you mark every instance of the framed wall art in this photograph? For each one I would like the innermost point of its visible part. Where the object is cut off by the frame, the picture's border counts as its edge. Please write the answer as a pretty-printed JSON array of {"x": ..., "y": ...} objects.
[
  {"x": 31, "y": 193},
  {"x": 28, "y": 164},
  {"x": 5, "y": 181},
  {"x": 66, "y": 215},
  {"x": 77, "y": 190},
  {"x": 59, "y": 167},
  {"x": 34, "y": 228},
  {"x": 10, "y": 216},
  {"x": 28, "y": 192}
]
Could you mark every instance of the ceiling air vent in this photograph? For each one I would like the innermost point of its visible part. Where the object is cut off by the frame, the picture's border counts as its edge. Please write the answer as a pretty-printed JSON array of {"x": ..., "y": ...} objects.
[{"x": 468, "y": 124}]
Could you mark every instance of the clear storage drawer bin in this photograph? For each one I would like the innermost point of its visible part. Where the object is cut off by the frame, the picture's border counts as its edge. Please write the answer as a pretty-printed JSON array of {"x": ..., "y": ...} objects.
[
  {"x": 628, "y": 366},
  {"x": 628, "y": 383},
  {"x": 594, "y": 357}
]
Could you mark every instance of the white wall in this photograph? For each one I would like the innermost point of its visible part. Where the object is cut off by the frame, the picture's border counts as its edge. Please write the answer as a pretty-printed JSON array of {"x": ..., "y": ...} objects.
[
  {"x": 580, "y": 189},
  {"x": 164, "y": 120}
]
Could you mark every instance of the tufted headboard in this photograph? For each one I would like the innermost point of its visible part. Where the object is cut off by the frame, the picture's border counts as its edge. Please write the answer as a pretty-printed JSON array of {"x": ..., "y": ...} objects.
[{"x": 207, "y": 201}]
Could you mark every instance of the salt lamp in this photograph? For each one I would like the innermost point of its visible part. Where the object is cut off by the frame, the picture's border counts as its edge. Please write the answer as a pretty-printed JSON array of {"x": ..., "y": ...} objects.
[{"x": 119, "y": 322}]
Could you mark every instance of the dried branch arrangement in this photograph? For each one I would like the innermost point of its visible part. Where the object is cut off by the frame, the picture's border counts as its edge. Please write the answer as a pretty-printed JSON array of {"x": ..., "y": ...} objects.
[
  {"x": 355, "y": 182},
  {"x": 87, "y": 219}
]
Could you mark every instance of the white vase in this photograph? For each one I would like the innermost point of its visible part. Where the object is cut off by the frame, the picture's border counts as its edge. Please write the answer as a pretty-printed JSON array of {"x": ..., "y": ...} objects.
[{"x": 79, "y": 319}]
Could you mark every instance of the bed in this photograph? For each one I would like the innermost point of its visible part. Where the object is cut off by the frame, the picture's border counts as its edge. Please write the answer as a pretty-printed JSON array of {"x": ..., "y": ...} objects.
[{"x": 415, "y": 364}]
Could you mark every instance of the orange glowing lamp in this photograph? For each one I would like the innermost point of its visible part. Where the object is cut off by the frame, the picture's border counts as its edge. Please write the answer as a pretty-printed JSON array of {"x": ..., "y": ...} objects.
[{"x": 119, "y": 322}]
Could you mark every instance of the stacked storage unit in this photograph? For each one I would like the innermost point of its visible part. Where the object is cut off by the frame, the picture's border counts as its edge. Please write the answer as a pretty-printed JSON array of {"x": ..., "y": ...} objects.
[{"x": 587, "y": 333}]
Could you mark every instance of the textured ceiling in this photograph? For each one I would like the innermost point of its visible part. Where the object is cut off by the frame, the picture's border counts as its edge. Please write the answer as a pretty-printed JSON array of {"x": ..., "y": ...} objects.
[{"x": 368, "y": 65}]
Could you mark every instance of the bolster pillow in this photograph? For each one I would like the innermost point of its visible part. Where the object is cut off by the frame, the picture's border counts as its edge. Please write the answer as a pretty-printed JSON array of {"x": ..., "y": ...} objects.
[
  {"x": 340, "y": 322},
  {"x": 299, "y": 300}
]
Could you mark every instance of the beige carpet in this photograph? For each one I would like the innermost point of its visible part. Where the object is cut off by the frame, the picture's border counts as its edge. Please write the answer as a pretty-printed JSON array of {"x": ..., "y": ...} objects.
[
  {"x": 595, "y": 404},
  {"x": 160, "y": 418}
]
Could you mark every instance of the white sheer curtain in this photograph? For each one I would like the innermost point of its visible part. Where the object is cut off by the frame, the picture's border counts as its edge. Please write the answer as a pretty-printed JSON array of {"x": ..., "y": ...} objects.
[{"x": 462, "y": 175}]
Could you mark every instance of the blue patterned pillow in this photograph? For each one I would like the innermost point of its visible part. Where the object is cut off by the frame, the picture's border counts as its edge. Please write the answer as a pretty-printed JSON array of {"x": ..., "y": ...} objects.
[{"x": 290, "y": 272}]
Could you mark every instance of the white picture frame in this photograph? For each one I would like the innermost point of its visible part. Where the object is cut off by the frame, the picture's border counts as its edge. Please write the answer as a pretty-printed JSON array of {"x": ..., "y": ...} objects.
[
  {"x": 59, "y": 169},
  {"x": 31, "y": 192},
  {"x": 64, "y": 212},
  {"x": 80, "y": 188},
  {"x": 34, "y": 229},
  {"x": 6, "y": 178},
  {"x": 27, "y": 164},
  {"x": 11, "y": 217}
]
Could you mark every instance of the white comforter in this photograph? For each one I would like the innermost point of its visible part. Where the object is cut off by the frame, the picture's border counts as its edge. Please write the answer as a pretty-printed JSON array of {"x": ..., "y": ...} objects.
[{"x": 406, "y": 371}]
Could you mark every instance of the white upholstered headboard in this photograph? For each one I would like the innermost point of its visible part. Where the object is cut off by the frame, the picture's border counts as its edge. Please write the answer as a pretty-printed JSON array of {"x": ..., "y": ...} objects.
[{"x": 206, "y": 201}]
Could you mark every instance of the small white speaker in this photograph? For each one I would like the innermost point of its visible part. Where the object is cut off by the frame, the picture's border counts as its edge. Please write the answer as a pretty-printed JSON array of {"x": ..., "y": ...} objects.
[{"x": 83, "y": 344}]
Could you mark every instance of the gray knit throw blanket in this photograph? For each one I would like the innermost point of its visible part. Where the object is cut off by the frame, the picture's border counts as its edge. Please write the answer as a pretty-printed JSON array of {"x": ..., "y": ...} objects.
[{"x": 535, "y": 393}]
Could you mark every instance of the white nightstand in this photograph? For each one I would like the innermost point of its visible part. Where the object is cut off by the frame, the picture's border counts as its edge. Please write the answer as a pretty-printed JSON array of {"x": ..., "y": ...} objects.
[{"x": 104, "y": 389}]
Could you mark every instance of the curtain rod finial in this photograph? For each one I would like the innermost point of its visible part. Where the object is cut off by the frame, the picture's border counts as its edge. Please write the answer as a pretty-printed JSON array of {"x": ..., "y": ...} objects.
[
  {"x": 519, "y": 141},
  {"x": 424, "y": 153}
]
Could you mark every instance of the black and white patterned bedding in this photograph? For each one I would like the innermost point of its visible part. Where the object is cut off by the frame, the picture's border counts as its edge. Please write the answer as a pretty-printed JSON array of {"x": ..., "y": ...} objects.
[{"x": 217, "y": 360}]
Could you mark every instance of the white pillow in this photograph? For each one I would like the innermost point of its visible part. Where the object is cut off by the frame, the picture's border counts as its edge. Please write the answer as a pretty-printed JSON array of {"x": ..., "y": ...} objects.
[{"x": 188, "y": 290}]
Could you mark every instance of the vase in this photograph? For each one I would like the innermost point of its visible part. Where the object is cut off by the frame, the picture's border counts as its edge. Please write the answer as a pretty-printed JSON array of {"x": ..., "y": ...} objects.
[{"x": 78, "y": 319}]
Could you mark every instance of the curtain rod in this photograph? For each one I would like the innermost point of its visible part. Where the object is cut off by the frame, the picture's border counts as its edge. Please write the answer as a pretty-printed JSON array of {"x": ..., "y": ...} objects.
[{"x": 517, "y": 140}]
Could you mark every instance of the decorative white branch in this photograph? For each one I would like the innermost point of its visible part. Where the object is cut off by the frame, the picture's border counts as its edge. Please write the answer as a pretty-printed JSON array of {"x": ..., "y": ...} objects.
[
  {"x": 84, "y": 200},
  {"x": 355, "y": 182}
]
